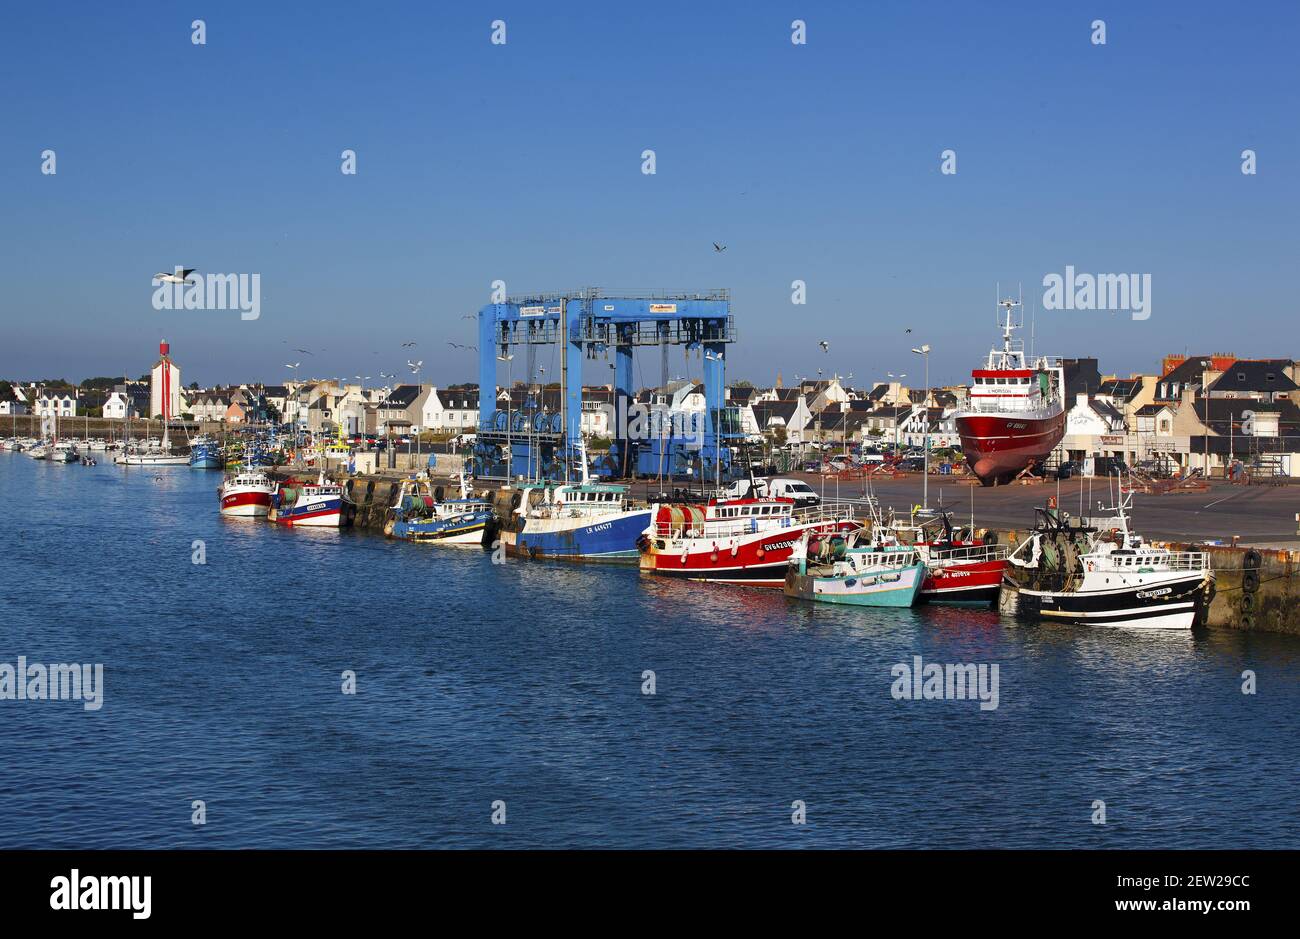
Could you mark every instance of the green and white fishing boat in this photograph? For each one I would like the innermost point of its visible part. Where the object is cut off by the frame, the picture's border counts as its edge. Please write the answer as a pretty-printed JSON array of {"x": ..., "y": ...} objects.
[{"x": 855, "y": 570}]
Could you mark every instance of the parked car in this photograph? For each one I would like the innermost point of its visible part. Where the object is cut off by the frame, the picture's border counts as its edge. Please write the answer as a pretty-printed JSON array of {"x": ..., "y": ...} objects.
[{"x": 1108, "y": 466}]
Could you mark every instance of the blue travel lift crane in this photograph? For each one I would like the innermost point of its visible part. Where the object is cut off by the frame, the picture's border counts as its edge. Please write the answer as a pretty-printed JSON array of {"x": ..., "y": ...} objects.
[{"x": 534, "y": 443}]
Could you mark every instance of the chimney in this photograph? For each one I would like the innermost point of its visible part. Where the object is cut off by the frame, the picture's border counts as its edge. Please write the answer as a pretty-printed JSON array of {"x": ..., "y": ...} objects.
[{"x": 1081, "y": 399}]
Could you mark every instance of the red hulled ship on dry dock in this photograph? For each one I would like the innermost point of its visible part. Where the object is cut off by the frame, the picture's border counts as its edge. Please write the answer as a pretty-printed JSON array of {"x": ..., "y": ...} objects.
[{"x": 1016, "y": 415}]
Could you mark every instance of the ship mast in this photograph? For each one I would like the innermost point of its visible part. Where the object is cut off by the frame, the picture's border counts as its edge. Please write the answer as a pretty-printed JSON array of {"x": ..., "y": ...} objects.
[{"x": 1008, "y": 325}]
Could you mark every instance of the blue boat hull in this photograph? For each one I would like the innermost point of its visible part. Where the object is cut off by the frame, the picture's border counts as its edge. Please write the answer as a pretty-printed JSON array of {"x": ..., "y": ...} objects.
[
  {"x": 207, "y": 461},
  {"x": 467, "y": 529},
  {"x": 612, "y": 541}
]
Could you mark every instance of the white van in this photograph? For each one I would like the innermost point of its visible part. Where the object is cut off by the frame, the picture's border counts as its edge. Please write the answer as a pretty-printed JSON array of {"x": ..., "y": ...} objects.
[{"x": 795, "y": 489}]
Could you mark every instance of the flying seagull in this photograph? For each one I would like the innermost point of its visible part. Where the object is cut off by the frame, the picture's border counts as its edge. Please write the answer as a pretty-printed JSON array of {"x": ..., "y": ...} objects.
[
  {"x": 826, "y": 346},
  {"x": 304, "y": 351},
  {"x": 908, "y": 330},
  {"x": 294, "y": 365},
  {"x": 457, "y": 345},
  {"x": 406, "y": 345},
  {"x": 182, "y": 278},
  {"x": 719, "y": 248}
]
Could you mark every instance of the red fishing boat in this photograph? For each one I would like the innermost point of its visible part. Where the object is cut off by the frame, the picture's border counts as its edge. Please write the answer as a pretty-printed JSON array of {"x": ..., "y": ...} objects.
[
  {"x": 734, "y": 541},
  {"x": 1016, "y": 415},
  {"x": 959, "y": 567},
  {"x": 247, "y": 492}
]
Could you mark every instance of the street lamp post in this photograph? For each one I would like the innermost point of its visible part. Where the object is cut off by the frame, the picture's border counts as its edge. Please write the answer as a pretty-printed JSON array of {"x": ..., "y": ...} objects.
[
  {"x": 924, "y": 352},
  {"x": 510, "y": 397}
]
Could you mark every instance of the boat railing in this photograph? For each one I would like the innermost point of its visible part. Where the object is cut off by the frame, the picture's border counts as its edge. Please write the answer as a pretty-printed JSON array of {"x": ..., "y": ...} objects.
[
  {"x": 1151, "y": 560},
  {"x": 971, "y": 553},
  {"x": 1003, "y": 405},
  {"x": 827, "y": 512}
]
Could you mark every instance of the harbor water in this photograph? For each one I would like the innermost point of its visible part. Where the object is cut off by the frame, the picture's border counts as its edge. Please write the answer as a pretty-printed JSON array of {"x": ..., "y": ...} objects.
[{"x": 522, "y": 685}]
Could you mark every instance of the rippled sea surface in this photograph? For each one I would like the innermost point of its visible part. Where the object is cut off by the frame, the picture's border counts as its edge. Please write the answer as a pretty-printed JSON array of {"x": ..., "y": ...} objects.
[{"x": 523, "y": 683}]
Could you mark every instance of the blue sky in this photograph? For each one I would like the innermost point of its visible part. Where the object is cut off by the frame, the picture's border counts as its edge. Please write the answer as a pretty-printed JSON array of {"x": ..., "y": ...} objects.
[{"x": 522, "y": 162}]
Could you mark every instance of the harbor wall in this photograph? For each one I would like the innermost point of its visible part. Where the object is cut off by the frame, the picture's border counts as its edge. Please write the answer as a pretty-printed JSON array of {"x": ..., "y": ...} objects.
[{"x": 1255, "y": 588}]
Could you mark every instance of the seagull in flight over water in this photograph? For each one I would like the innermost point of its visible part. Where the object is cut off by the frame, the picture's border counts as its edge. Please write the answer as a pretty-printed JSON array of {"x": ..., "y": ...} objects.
[{"x": 180, "y": 276}]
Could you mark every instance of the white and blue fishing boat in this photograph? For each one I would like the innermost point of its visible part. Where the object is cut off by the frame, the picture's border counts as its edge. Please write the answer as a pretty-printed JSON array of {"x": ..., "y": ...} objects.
[
  {"x": 584, "y": 521},
  {"x": 206, "y": 453},
  {"x": 318, "y": 504},
  {"x": 840, "y": 569},
  {"x": 421, "y": 514}
]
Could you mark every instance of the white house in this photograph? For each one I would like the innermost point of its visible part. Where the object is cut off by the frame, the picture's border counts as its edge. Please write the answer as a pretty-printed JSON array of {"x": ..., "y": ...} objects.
[
  {"x": 939, "y": 423},
  {"x": 56, "y": 403},
  {"x": 1092, "y": 416},
  {"x": 10, "y": 404},
  {"x": 119, "y": 406},
  {"x": 450, "y": 409}
]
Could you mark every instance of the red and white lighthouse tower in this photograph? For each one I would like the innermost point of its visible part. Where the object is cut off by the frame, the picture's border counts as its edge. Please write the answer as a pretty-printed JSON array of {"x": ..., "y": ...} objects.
[{"x": 165, "y": 385}]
